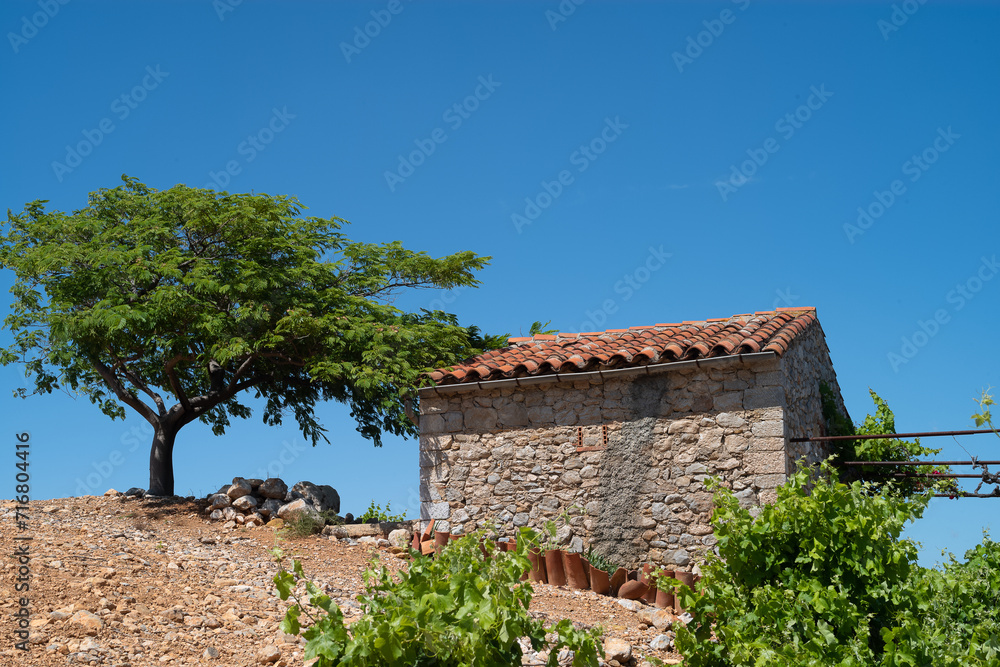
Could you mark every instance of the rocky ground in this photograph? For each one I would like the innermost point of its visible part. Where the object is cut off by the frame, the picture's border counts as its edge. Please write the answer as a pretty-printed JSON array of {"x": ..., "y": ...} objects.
[{"x": 131, "y": 582}]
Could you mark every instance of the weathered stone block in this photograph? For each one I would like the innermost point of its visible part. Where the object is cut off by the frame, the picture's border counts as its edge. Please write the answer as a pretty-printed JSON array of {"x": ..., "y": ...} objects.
[
  {"x": 435, "y": 511},
  {"x": 571, "y": 478},
  {"x": 767, "y": 444},
  {"x": 540, "y": 415},
  {"x": 730, "y": 420},
  {"x": 480, "y": 419},
  {"x": 513, "y": 414},
  {"x": 730, "y": 400},
  {"x": 768, "y": 429},
  {"x": 763, "y": 397},
  {"x": 683, "y": 426},
  {"x": 763, "y": 463},
  {"x": 452, "y": 422}
]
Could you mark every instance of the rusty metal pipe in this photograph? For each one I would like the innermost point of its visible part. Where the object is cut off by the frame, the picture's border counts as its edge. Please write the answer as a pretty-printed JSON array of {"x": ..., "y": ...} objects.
[
  {"x": 889, "y": 436},
  {"x": 918, "y": 463}
]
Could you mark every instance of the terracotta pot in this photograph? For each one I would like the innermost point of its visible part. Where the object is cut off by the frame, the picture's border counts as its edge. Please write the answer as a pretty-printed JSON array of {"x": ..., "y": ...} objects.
[
  {"x": 483, "y": 548},
  {"x": 537, "y": 571},
  {"x": 453, "y": 537},
  {"x": 664, "y": 599},
  {"x": 440, "y": 539},
  {"x": 646, "y": 578},
  {"x": 573, "y": 565},
  {"x": 687, "y": 579},
  {"x": 586, "y": 570},
  {"x": 415, "y": 542},
  {"x": 554, "y": 571},
  {"x": 600, "y": 581},
  {"x": 617, "y": 579},
  {"x": 633, "y": 590}
]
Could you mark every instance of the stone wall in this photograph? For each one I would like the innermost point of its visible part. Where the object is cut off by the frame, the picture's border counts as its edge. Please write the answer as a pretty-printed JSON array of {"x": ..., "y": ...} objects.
[
  {"x": 624, "y": 458},
  {"x": 806, "y": 365}
]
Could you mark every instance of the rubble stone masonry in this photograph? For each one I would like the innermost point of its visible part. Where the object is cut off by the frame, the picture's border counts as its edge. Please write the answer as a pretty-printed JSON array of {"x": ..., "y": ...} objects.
[{"x": 625, "y": 458}]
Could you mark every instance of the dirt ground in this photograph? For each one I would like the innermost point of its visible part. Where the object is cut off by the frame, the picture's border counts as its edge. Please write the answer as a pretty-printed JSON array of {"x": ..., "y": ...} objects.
[{"x": 136, "y": 582}]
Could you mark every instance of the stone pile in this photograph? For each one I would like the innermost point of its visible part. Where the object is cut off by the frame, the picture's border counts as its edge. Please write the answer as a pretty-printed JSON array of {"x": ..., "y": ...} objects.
[{"x": 255, "y": 502}]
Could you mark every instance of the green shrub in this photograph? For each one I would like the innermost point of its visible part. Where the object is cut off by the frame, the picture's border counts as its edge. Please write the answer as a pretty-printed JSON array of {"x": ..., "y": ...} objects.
[
  {"x": 457, "y": 609},
  {"x": 813, "y": 580},
  {"x": 375, "y": 513}
]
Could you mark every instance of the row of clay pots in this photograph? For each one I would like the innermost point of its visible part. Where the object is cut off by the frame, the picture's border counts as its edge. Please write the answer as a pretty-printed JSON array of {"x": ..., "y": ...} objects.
[{"x": 561, "y": 568}]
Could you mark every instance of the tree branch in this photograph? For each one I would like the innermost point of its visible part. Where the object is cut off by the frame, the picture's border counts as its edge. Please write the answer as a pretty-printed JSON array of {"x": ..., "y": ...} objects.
[
  {"x": 115, "y": 385},
  {"x": 175, "y": 382}
]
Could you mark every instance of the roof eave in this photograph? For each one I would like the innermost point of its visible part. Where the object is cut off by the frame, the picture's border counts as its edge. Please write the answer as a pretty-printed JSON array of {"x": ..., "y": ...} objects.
[{"x": 549, "y": 378}]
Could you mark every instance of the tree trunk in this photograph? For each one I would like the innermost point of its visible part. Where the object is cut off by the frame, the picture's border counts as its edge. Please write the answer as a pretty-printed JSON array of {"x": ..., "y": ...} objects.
[{"x": 161, "y": 461}]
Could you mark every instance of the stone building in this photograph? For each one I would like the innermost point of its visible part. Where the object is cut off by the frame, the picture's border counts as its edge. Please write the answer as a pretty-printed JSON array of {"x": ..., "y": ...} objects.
[{"x": 619, "y": 428}]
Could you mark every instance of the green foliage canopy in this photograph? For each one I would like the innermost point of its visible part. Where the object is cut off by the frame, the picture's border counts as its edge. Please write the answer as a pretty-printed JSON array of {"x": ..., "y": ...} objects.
[{"x": 174, "y": 302}]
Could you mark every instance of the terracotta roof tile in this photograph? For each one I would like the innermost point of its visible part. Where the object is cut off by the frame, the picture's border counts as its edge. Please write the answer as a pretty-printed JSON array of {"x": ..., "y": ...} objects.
[{"x": 762, "y": 331}]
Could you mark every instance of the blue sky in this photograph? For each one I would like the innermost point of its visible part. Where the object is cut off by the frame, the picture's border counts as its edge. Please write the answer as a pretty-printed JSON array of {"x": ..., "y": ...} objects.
[{"x": 838, "y": 155}]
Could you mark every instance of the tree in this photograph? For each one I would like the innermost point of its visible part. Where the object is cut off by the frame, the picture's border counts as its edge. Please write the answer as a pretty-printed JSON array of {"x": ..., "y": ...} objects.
[{"x": 187, "y": 296}]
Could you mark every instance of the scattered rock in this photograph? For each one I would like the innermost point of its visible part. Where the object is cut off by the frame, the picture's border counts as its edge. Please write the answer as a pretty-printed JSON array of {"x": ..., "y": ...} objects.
[
  {"x": 658, "y": 618},
  {"x": 270, "y": 507},
  {"x": 298, "y": 508},
  {"x": 239, "y": 488},
  {"x": 210, "y": 653},
  {"x": 245, "y": 503},
  {"x": 631, "y": 605},
  {"x": 274, "y": 488},
  {"x": 135, "y": 492},
  {"x": 218, "y": 501},
  {"x": 112, "y": 493},
  {"x": 617, "y": 649},
  {"x": 399, "y": 537},
  {"x": 90, "y": 623},
  {"x": 268, "y": 655},
  {"x": 661, "y": 643},
  {"x": 89, "y": 644},
  {"x": 321, "y": 496}
]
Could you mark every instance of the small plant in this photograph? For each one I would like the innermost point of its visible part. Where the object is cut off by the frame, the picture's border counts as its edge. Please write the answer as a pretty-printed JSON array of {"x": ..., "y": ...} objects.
[
  {"x": 160, "y": 546},
  {"x": 376, "y": 513},
  {"x": 454, "y": 610},
  {"x": 600, "y": 562},
  {"x": 303, "y": 525},
  {"x": 331, "y": 518}
]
